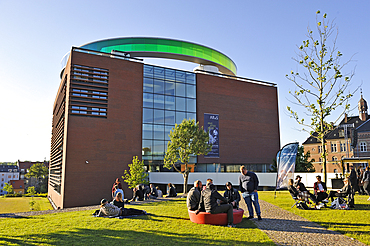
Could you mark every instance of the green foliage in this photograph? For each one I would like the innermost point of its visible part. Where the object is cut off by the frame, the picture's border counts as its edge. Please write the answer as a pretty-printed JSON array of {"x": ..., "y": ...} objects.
[
  {"x": 187, "y": 139},
  {"x": 322, "y": 88},
  {"x": 31, "y": 191},
  {"x": 37, "y": 170},
  {"x": 8, "y": 188},
  {"x": 136, "y": 174}
]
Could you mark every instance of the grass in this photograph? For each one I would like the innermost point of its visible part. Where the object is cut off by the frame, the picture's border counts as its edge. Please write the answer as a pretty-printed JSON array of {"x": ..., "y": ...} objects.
[
  {"x": 167, "y": 224},
  {"x": 21, "y": 204},
  {"x": 353, "y": 223}
]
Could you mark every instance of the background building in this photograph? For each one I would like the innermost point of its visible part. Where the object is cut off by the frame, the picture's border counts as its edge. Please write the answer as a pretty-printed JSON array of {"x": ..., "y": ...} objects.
[
  {"x": 7, "y": 174},
  {"x": 338, "y": 146},
  {"x": 24, "y": 167},
  {"x": 110, "y": 106}
]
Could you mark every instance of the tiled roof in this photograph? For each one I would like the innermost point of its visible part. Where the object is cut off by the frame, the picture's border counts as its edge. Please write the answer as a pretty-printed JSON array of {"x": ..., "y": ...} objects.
[
  {"x": 17, "y": 184},
  {"x": 5, "y": 168},
  {"x": 334, "y": 134}
]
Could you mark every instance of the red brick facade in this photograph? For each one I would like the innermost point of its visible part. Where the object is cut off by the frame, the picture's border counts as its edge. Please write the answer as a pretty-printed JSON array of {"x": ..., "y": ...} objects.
[{"x": 248, "y": 119}]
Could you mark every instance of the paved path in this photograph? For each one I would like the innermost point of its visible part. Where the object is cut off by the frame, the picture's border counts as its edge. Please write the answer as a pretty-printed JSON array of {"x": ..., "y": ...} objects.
[{"x": 286, "y": 228}]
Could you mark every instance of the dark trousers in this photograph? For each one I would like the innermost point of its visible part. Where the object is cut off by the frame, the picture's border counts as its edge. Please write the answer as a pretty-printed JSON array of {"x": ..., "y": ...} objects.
[
  {"x": 321, "y": 196},
  {"x": 225, "y": 208}
]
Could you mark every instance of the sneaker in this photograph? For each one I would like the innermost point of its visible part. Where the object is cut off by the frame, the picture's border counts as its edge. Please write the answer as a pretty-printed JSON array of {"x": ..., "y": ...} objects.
[
  {"x": 326, "y": 200},
  {"x": 368, "y": 199},
  {"x": 250, "y": 217},
  {"x": 259, "y": 217},
  {"x": 231, "y": 225}
]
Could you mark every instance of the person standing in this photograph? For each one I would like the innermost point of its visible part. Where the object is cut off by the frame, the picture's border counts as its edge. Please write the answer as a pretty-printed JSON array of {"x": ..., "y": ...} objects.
[
  {"x": 366, "y": 181},
  {"x": 193, "y": 198},
  {"x": 248, "y": 184},
  {"x": 353, "y": 182}
]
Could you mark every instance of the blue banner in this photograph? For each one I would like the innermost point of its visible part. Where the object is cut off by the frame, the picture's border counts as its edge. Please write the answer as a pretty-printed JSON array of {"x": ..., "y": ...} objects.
[
  {"x": 211, "y": 126},
  {"x": 285, "y": 161}
]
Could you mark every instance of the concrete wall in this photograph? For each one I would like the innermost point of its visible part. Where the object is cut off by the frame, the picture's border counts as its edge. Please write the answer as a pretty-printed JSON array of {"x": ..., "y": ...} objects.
[{"x": 265, "y": 179}]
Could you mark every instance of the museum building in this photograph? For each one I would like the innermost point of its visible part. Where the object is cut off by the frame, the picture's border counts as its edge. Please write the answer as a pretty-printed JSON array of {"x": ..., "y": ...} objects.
[{"x": 111, "y": 106}]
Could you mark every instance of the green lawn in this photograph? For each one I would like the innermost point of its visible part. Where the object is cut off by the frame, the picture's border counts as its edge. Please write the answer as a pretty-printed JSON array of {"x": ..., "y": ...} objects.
[
  {"x": 353, "y": 223},
  {"x": 168, "y": 224},
  {"x": 21, "y": 204}
]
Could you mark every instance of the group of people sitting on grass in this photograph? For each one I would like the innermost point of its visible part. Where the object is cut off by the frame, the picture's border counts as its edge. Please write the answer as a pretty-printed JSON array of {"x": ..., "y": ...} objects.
[
  {"x": 298, "y": 189},
  {"x": 143, "y": 192}
]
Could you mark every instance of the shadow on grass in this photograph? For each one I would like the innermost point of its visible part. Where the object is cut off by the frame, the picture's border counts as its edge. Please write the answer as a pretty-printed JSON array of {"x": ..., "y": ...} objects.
[{"x": 119, "y": 237}]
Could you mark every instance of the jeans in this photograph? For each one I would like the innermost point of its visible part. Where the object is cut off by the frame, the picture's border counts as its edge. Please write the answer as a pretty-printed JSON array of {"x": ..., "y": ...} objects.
[{"x": 249, "y": 198}]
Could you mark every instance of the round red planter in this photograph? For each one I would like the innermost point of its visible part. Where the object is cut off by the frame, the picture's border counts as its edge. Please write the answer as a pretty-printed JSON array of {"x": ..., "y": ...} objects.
[{"x": 215, "y": 219}]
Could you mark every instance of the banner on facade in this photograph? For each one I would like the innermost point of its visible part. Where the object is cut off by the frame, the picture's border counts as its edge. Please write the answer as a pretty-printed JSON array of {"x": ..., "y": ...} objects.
[
  {"x": 211, "y": 126},
  {"x": 285, "y": 162}
]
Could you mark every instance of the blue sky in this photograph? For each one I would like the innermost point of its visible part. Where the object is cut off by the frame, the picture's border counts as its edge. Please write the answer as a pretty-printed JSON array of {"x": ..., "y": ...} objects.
[{"x": 260, "y": 36}]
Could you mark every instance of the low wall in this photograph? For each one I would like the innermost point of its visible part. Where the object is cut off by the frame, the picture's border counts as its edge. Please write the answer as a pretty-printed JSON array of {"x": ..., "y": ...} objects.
[{"x": 265, "y": 179}]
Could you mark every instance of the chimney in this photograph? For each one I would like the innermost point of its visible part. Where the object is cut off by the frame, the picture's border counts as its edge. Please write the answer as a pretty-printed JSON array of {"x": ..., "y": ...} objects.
[{"x": 345, "y": 118}]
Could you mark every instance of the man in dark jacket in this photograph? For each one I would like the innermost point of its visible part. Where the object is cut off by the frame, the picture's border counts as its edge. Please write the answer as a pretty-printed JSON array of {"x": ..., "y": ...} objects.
[
  {"x": 232, "y": 195},
  {"x": 138, "y": 195},
  {"x": 248, "y": 184},
  {"x": 302, "y": 188},
  {"x": 353, "y": 183},
  {"x": 153, "y": 194},
  {"x": 208, "y": 200},
  {"x": 192, "y": 201}
]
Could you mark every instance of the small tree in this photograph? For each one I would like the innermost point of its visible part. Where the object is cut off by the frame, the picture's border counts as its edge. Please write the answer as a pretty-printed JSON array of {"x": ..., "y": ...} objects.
[
  {"x": 136, "y": 174},
  {"x": 8, "y": 188},
  {"x": 324, "y": 87},
  {"x": 31, "y": 191},
  {"x": 186, "y": 139},
  {"x": 38, "y": 171}
]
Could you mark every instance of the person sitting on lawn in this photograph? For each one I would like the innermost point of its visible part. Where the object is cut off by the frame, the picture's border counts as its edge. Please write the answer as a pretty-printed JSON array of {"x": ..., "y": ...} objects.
[
  {"x": 345, "y": 191},
  {"x": 192, "y": 201},
  {"x": 153, "y": 194},
  {"x": 171, "y": 191},
  {"x": 208, "y": 200},
  {"x": 108, "y": 209},
  {"x": 302, "y": 195},
  {"x": 159, "y": 191},
  {"x": 320, "y": 190},
  {"x": 118, "y": 190},
  {"x": 138, "y": 195},
  {"x": 118, "y": 201},
  {"x": 232, "y": 195},
  {"x": 302, "y": 188}
]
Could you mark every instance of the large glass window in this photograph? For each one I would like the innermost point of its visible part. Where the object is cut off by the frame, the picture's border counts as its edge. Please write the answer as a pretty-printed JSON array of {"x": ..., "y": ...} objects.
[{"x": 169, "y": 97}]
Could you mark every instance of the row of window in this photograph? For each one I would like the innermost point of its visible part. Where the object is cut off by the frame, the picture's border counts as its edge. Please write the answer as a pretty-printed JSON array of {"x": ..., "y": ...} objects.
[
  {"x": 363, "y": 147},
  {"x": 89, "y": 79},
  {"x": 169, "y": 74},
  {"x": 158, "y": 116},
  {"x": 90, "y": 69},
  {"x": 169, "y": 102},
  {"x": 170, "y": 88}
]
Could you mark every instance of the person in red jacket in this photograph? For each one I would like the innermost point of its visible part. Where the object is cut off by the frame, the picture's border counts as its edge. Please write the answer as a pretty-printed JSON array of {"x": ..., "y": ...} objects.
[{"x": 320, "y": 189}]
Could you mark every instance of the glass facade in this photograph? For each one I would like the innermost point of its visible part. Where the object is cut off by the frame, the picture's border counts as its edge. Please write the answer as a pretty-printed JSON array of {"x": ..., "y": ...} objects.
[{"x": 169, "y": 96}]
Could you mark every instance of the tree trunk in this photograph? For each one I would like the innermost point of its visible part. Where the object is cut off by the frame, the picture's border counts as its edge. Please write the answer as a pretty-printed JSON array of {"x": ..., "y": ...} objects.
[
  {"x": 324, "y": 159},
  {"x": 186, "y": 177}
]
